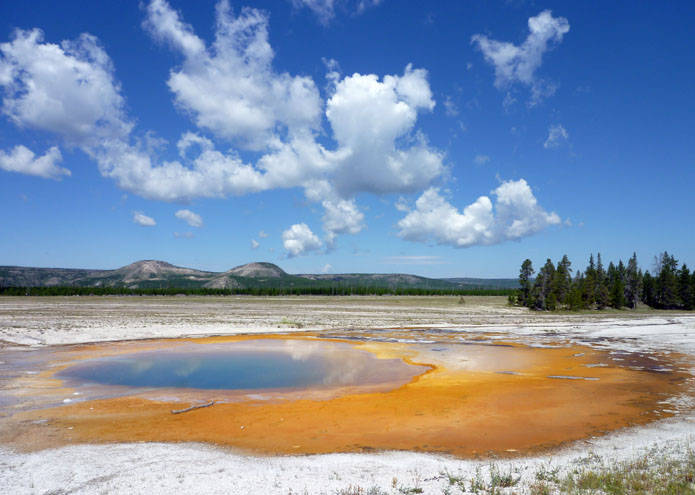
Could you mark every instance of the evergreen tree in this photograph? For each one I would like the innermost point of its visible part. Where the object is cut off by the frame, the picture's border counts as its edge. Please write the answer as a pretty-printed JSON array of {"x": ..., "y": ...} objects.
[
  {"x": 589, "y": 292},
  {"x": 525, "y": 275},
  {"x": 667, "y": 286},
  {"x": 542, "y": 287},
  {"x": 575, "y": 301},
  {"x": 600, "y": 285},
  {"x": 648, "y": 292},
  {"x": 621, "y": 271},
  {"x": 633, "y": 282},
  {"x": 562, "y": 281},
  {"x": 616, "y": 292},
  {"x": 666, "y": 281},
  {"x": 685, "y": 290}
]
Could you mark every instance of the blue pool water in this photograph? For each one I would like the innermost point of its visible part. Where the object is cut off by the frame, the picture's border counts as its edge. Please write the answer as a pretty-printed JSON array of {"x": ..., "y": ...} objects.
[{"x": 253, "y": 364}]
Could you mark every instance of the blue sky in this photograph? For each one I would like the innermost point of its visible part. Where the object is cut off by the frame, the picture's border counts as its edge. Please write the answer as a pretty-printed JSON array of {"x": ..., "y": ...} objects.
[{"x": 438, "y": 138}]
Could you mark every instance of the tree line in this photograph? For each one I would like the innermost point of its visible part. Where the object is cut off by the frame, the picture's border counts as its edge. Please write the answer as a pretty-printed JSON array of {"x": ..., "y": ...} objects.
[
  {"x": 248, "y": 291},
  {"x": 667, "y": 286}
]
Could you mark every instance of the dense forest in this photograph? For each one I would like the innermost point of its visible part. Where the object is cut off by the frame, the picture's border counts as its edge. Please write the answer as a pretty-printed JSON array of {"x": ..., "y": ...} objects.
[
  {"x": 667, "y": 286},
  {"x": 249, "y": 291}
]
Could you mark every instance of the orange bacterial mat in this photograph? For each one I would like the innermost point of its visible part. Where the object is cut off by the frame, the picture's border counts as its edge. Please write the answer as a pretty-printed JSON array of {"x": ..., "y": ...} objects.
[{"x": 465, "y": 399}]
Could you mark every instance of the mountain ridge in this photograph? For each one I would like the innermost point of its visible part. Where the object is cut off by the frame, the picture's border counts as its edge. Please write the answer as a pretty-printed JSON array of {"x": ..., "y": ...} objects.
[{"x": 148, "y": 274}]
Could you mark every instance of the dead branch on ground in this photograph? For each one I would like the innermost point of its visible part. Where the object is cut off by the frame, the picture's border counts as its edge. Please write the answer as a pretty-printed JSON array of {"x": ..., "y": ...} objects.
[{"x": 192, "y": 408}]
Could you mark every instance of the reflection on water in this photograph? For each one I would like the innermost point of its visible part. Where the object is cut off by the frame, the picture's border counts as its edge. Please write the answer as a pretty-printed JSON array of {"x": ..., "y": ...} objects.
[{"x": 253, "y": 364}]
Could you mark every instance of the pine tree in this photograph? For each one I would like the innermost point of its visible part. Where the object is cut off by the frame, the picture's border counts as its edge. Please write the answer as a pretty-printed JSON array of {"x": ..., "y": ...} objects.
[
  {"x": 616, "y": 291},
  {"x": 575, "y": 301},
  {"x": 542, "y": 287},
  {"x": 648, "y": 292},
  {"x": 562, "y": 280},
  {"x": 601, "y": 286},
  {"x": 633, "y": 282},
  {"x": 525, "y": 275},
  {"x": 666, "y": 281},
  {"x": 685, "y": 293},
  {"x": 589, "y": 292}
]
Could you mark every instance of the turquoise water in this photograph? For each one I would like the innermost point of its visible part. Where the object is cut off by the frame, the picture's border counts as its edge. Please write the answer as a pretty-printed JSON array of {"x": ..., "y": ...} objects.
[{"x": 253, "y": 364}]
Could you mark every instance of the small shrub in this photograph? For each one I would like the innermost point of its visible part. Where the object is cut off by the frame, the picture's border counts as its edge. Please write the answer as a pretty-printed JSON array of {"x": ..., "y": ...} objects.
[
  {"x": 502, "y": 480},
  {"x": 539, "y": 487},
  {"x": 358, "y": 490}
]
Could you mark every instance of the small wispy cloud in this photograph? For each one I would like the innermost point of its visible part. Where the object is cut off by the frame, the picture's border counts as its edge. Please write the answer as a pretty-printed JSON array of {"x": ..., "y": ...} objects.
[
  {"x": 402, "y": 204},
  {"x": 192, "y": 219},
  {"x": 481, "y": 159},
  {"x": 557, "y": 135},
  {"x": 141, "y": 219},
  {"x": 450, "y": 107},
  {"x": 184, "y": 235},
  {"x": 254, "y": 244},
  {"x": 325, "y": 10}
]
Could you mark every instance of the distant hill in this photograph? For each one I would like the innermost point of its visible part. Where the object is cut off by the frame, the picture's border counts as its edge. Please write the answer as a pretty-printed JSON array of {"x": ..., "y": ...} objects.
[
  {"x": 258, "y": 270},
  {"x": 154, "y": 274},
  {"x": 141, "y": 274},
  {"x": 399, "y": 280}
]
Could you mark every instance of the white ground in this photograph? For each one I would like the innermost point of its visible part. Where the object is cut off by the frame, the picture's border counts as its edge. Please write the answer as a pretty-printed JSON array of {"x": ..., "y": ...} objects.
[{"x": 193, "y": 468}]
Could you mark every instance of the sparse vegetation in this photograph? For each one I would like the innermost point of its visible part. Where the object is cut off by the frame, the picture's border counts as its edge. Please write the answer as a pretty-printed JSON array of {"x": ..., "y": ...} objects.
[
  {"x": 654, "y": 473},
  {"x": 358, "y": 490},
  {"x": 291, "y": 323}
]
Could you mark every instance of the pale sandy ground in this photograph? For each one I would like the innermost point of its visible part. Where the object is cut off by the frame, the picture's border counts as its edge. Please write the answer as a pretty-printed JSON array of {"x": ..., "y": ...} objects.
[{"x": 192, "y": 468}]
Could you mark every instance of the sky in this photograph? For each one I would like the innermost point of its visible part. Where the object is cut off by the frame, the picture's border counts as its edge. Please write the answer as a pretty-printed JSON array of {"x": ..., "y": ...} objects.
[{"x": 444, "y": 139}]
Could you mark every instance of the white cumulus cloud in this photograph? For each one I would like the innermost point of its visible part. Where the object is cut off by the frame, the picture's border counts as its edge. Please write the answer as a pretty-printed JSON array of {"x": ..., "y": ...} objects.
[
  {"x": 299, "y": 239},
  {"x": 557, "y": 135},
  {"x": 518, "y": 64},
  {"x": 341, "y": 217},
  {"x": 66, "y": 89},
  {"x": 368, "y": 117},
  {"x": 254, "y": 244},
  {"x": 141, "y": 219},
  {"x": 254, "y": 100},
  {"x": 230, "y": 89},
  {"x": 21, "y": 159},
  {"x": 192, "y": 219},
  {"x": 516, "y": 214}
]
